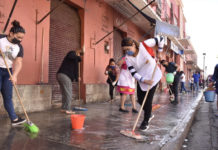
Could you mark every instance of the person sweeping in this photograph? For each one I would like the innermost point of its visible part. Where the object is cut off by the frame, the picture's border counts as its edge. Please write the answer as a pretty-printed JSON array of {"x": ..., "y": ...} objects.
[
  {"x": 142, "y": 65},
  {"x": 13, "y": 55},
  {"x": 172, "y": 68},
  {"x": 68, "y": 73}
]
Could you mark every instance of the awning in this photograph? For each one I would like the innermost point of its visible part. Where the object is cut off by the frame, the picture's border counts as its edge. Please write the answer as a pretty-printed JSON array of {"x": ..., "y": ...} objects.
[
  {"x": 127, "y": 10},
  {"x": 188, "y": 48},
  {"x": 175, "y": 41},
  {"x": 163, "y": 28}
]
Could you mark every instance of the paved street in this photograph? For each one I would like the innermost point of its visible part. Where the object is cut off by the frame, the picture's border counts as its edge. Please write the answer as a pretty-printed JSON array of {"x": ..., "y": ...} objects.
[
  {"x": 102, "y": 128},
  {"x": 203, "y": 134}
]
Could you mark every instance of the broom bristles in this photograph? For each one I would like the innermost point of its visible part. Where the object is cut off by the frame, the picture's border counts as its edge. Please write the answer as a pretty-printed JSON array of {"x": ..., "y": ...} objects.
[
  {"x": 132, "y": 134},
  {"x": 31, "y": 127}
]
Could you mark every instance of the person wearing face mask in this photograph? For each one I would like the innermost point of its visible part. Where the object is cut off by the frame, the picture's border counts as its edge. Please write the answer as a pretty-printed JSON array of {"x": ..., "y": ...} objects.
[
  {"x": 126, "y": 86},
  {"x": 12, "y": 49},
  {"x": 141, "y": 65},
  {"x": 112, "y": 71}
]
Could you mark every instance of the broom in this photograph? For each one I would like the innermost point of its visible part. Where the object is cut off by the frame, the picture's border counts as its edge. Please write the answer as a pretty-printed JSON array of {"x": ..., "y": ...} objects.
[
  {"x": 29, "y": 126},
  {"x": 79, "y": 108},
  {"x": 132, "y": 133}
]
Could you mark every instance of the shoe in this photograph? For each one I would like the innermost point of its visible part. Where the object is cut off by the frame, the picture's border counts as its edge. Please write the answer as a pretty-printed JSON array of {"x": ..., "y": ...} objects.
[
  {"x": 152, "y": 116},
  {"x": 134, "y": 110},
  {"x": 69, "y": 112},
  {"x": 144, "y": 126},
  {"x": 123, "y": 110},
  {"x": 18, "y": 121}
]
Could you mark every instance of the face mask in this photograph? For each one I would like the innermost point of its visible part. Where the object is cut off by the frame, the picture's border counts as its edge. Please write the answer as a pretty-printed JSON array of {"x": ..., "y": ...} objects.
[
  {"x": 130, "y": 53},
  {"x": 112, "y": 67},
  {"x": 15, "y": 41}
]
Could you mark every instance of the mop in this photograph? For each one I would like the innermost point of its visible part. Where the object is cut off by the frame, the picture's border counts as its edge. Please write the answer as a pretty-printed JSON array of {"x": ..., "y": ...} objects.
[
  {"x": 29, "y": 126},
  {"x": 79, "y": 108},
  {"x": 131, "y": 133}
]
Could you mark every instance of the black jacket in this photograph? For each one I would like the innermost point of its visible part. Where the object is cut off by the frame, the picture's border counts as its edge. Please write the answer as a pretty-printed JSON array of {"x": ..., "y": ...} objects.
[{"x": 69, "y": 65}]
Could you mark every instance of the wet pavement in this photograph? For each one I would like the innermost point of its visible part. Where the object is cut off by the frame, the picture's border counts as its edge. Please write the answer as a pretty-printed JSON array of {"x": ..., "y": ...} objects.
[
  {"x": 203, "y": 134},
  {"x": 102, "y": 128}
]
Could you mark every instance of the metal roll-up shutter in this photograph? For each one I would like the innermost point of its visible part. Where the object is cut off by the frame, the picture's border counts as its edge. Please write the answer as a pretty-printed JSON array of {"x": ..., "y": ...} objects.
[{"x": 65, "y": 35}]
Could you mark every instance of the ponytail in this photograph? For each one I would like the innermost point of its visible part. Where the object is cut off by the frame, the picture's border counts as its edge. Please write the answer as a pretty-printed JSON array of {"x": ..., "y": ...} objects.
[{"x": 16, "y": 28}]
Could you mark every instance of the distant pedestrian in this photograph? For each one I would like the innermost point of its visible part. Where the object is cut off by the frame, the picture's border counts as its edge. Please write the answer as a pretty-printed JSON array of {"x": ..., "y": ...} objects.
[
  {"x": 112, "y": 71},
  {"x": 141, "y": 65},
  {"x": 196, "y": 77},
  {"x": 191, "y": 82},
  {"x": 68, "y": 73},
  {"x": 183, "y": 82},
  {"x": 126, "y": 86}
]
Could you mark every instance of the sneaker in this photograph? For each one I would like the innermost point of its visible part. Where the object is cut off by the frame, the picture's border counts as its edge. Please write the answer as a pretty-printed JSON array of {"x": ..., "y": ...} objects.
[
  {"x": 152, "y": 116},
  {"x": 134, "y": 110},
  {"x": 18, "y": 121},
  {"x": 144, "y": 126},
  {"x": 123, "y": 110},
  {"x": 69, "y": 112}
]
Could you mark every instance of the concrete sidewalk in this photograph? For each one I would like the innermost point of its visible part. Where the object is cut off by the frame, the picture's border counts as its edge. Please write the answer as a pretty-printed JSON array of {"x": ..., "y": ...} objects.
[{"x": 102, "y": 128}]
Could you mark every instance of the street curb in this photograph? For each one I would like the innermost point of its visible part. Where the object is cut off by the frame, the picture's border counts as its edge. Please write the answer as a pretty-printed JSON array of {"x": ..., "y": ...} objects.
[{"x": 175, "y": 138}]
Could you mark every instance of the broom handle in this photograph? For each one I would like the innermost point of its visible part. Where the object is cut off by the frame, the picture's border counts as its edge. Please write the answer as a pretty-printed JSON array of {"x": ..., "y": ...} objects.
[
  {"x": 79, "y": 83},
  {"x": 133, "y": 129},
  {"x": 18, "y": 95}
]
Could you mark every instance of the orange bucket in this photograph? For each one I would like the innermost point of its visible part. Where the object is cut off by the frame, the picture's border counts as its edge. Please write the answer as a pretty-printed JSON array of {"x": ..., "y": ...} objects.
[{"x": 77, "y": 121}]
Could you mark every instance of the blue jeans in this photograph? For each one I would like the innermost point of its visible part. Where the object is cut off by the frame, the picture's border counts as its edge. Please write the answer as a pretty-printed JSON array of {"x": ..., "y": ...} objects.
[
  {"x": 183, "y": 87},
  {"x": 196, "y": 86},
  {"x": 6, "y": 89}
]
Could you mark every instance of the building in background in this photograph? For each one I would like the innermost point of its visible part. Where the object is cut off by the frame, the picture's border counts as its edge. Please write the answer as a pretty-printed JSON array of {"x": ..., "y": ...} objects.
[{"x": 78, "y": 25}]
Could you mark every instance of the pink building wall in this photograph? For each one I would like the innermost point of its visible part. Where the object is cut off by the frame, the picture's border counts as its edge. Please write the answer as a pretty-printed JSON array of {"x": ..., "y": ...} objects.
[
  {"x": 100, "y": 19},
  {"x": 94, "y": 26},
  {"x": 25, "y": 13}
]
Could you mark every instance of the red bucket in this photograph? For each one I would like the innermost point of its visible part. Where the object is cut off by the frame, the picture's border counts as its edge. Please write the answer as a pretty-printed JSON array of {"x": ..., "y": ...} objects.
[{"x": 77, "y": 121}]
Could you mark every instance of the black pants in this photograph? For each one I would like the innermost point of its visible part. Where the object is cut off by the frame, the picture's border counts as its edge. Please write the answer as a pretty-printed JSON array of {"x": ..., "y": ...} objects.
[
  {"x": 111, "y": 90},
  {"x": 148, "y": 104},
  {"x": 175, "y": 86}
]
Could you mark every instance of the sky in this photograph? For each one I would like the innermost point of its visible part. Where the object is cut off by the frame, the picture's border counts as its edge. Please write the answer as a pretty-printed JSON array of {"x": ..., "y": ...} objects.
[{"x": 202, "y": 27}]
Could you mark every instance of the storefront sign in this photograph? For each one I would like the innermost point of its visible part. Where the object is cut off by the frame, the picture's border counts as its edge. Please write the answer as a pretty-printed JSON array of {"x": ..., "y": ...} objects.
[{"x": 174, "y": 47}]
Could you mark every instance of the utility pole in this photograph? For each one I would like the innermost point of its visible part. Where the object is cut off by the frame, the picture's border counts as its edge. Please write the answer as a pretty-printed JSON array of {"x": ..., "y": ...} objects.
[{"x": 204, "y": 54}]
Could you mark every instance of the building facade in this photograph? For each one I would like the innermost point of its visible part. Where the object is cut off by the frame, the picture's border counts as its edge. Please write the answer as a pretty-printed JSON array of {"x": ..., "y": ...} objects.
[{"x": 78, "y": 25}]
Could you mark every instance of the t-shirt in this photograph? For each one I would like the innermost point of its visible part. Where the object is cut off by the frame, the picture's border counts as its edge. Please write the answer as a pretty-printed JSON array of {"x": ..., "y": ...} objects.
[
  {"x": 171, "y": 67},
  {"x": 10, "y": 50},
  {"x": 183, "y": 77},
  {"x": 142, "y": 67},
  {"x": 196, "y": 77},
  {"x": 69, "y": 65},
  {"x": 112, "y": 73}
]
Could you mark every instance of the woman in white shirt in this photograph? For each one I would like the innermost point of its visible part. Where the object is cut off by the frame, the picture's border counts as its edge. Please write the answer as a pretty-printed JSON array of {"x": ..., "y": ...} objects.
[
  {"x": 141, "y": 65},
  {"x": 12, "y": 49}
]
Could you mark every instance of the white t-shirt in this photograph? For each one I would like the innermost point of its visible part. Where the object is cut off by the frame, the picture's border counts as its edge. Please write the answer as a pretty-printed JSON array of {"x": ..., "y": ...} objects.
[
  {"x": 144, "y": 65},
  {"x": 10, "y": 50},
  {"x": 183, "y": 77}
]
